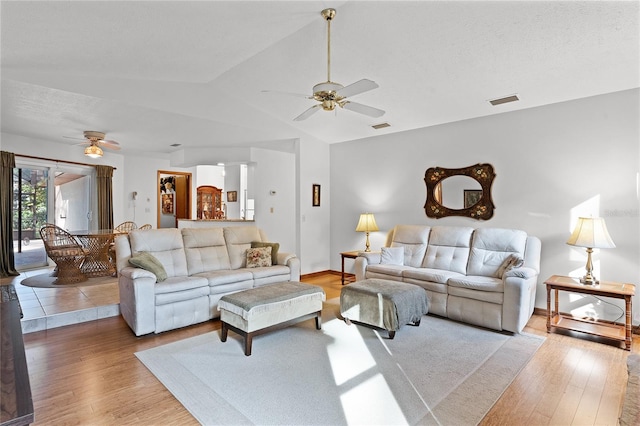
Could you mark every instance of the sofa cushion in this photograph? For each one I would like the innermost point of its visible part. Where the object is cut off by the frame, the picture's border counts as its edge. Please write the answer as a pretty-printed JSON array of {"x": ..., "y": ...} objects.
[
  {"x": 432, "y": 275},
  {"x": 148, "y": 262},
  {"x": 165, "y": 245},
  {"x": 226, "y": 276},
  {"x": 448, "y": 248},
  {"x": 414, "y": 239},
  {"x": 481, "y": 283},
  {"x": 238, "y": 240},
  {"x": 391, "y": 270},
  {"x": 392, "y": 255},
  {"x": 274, "y": 249},
  {"x": 258, "y": 257},
  {"x": 205, "y": 249},
  {"x": 490, "y": 247}
]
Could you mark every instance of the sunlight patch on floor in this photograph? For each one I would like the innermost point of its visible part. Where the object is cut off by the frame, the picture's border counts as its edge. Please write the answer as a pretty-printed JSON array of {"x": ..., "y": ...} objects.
[{"x": 372, "y": 402}]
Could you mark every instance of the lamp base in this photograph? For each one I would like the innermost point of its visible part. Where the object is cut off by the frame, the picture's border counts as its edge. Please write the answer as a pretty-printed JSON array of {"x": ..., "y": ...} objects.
[{"x": 586, "y": 281}]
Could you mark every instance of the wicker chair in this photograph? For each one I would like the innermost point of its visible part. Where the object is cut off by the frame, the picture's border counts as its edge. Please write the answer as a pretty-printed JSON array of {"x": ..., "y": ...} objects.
[
  {"x": 146, "y": 226},
  {"x": 66, "y": 252},
  {"x": 126, "y": 227}
]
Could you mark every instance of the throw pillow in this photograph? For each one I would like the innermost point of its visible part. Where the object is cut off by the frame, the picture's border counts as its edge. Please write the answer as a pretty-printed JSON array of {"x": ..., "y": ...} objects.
[
  {"x": 274, "y": 249},
  {"x": 257, "y": 257},
  {"x": 512, "y": 261},
  {"x": 392, "y": 255},
  {"x": 149, "y": 262}
]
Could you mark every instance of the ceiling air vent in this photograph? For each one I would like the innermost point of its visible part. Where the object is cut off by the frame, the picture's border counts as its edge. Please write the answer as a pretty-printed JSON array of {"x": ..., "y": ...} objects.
[
  {"x": 504, "y": 100},
  {"x": 381, "y": 126},
  {"x": 175, "y": 144}
]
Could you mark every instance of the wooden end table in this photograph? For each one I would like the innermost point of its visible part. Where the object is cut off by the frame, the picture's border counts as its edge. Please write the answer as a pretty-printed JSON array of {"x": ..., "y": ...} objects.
[
  {"x": 619, "y": 332},
  {"x": 348, "y": 255}
]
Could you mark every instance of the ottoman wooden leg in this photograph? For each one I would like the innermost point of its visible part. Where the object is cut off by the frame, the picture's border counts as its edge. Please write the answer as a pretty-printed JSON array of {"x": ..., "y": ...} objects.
[
  {"x": 392, "y": 334},
  {"x": 318, "y": 322},
  {"x": 225, "y": 332},
  {"x": 416, "y": 323},
  {"x": 248, "y": 339}
]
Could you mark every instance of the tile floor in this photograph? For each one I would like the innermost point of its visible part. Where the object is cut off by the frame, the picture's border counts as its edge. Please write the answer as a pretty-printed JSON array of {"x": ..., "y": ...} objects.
[{"x": 45, "y": 308}]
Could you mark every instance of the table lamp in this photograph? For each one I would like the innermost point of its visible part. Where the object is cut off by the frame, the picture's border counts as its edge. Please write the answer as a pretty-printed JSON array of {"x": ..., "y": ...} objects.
[
  {"x": 590, "y": 232},
  {"x": 367, "y": 223}
]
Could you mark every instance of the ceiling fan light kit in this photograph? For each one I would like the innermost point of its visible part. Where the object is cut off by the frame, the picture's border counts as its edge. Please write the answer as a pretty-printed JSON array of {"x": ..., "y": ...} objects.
[
  {"x": 95, "y": 140},
  {"x": 331, "y": 94},
  {"x": 93, "y": 151}
]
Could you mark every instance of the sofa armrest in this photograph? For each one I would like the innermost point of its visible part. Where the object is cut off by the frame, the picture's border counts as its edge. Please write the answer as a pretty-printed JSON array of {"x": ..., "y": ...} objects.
[
  {"x": 138, "y": 299},
  {"x": 364, "y": 259},
  {"x": 292, "y": 261},
  {"x": 522, "y": 272},
  {"x": 519, "y": 300}
]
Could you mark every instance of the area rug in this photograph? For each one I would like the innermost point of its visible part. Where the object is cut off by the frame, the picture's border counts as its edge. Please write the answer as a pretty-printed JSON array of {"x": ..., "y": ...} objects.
[
  {"x": 46, "y": 281},
  {"x": 441, "y": 372}
]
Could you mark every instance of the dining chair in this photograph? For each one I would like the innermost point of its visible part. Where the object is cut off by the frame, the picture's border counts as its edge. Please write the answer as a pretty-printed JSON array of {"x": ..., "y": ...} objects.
[
  {"x": 126, "y": 227},
  {"x": 67, "y": 253},
  {"x": 146, "y": 226}
]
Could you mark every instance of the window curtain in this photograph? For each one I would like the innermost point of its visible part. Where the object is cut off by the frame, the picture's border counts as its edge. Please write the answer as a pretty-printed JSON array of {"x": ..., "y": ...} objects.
[
  {"x": 104, "y": 175},
  {"x": 7, "y": 260}
]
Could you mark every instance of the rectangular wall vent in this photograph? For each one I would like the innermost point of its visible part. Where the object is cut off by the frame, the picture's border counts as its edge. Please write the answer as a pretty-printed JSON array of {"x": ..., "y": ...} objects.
[
  {"x": 504, "y": 100},
  {"x": 381, "y": 126},
  {"x": 175, "y": 144}
]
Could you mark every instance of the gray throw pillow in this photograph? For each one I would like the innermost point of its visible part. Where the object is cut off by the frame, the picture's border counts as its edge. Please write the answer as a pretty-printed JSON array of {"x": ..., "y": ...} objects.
[{"x": 148, "y": 262}]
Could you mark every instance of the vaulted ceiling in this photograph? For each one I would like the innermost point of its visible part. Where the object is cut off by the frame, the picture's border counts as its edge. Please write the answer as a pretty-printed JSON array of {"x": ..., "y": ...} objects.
[{"x": 156, "y": 73}]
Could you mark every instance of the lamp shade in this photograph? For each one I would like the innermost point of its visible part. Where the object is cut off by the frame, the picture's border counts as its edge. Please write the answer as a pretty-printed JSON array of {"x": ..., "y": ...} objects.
[
  {"x": 93, "y": 151},
  {"x": 367, "y": 223},
  {"x": 591, "y": 232}
]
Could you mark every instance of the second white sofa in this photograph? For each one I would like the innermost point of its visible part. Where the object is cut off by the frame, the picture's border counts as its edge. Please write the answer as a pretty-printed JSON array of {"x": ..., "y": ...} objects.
[
  {"x": 201, "y": 265},
  {"x": 483, "y": 276}
]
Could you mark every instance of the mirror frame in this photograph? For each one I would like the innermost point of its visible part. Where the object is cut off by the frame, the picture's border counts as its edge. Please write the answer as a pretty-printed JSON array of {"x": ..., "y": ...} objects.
[{"x": 482, "y": 173}]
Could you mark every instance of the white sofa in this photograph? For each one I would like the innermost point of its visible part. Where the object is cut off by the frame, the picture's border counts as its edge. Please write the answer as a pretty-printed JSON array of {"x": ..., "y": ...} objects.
[
  {"x": 201, "y": 264},
  {"x": 460, "y": 269}
]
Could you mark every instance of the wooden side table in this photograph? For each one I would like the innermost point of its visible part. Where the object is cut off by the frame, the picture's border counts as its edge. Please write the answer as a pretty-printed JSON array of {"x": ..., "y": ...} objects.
[
  {"x": 348, "y": 255},
  {"x": 608, "y": 330}
]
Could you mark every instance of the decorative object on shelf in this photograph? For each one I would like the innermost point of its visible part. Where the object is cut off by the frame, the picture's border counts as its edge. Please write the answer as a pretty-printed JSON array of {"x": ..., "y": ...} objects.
[
  {"x": 481, "y": 209},
  {"x": 367, "y": 223},
  {"x": 590, "y": 232},
  {"x": 315, "y": 195},
  {"x": 232, "y": 196}
]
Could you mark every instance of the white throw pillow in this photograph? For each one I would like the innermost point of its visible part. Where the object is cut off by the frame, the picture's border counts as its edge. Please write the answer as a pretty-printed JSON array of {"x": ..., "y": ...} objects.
[{"x": 392, "y": 255}]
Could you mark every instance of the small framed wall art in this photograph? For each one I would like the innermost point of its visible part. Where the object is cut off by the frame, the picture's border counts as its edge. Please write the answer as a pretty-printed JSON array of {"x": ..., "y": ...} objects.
[
  {"x": 316, "y": 195},
  {"x": 232, "y": 196}
]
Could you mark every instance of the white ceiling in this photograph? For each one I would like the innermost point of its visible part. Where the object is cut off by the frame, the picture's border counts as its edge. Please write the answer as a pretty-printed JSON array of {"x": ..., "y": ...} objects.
[{"x": 151, "y": 73}]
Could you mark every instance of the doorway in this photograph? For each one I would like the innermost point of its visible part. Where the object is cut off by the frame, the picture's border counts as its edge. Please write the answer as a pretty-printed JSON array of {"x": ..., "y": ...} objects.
[
  {"x": 42, "y": 194},
  {"x": 174, "y": 198}
]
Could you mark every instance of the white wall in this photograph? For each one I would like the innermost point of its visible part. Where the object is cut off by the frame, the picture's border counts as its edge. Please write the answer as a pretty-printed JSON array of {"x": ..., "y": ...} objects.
[
  {"x": 314, "y": 222},
  {"x": 553, "y": 163}
]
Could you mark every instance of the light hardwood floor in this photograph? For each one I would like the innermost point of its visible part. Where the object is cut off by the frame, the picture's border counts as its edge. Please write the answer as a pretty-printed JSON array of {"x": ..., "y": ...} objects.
[{"x": 88, "y": 374}]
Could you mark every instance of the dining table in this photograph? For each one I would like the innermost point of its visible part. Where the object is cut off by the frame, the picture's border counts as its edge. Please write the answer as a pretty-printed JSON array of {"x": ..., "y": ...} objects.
[{"x": 99, "y": 261}]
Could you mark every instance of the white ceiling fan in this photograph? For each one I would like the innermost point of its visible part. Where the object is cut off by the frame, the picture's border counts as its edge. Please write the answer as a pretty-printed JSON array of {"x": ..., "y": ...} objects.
[
  {"x": 331, "y": 94},
  {"x": 95, "y": 142}
]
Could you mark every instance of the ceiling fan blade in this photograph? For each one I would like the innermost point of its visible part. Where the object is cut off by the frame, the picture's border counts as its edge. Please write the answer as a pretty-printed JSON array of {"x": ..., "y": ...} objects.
[
  {"x": 363, "y": 109},
  {"x": 308, "y": 113},
  {"x": 358, "y": 87},
  {"x": 110, "y": 144},
  {"x": 297, "y": 95}
]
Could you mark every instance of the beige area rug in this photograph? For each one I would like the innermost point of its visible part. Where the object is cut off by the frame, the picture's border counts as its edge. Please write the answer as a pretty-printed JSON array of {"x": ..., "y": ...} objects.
[
  {"x": 46, "y": 281},
  {"x": 441, "y": 372}
]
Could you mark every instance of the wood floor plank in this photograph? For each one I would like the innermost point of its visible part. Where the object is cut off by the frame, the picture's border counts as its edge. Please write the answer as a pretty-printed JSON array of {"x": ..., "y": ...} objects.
[{"x": 88, "y": 374}]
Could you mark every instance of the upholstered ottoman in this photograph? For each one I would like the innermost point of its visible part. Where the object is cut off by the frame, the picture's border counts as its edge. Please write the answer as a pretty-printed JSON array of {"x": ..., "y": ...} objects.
[
  {"x": 383, "y": 303},
  {"x": 258, "y": 310}
]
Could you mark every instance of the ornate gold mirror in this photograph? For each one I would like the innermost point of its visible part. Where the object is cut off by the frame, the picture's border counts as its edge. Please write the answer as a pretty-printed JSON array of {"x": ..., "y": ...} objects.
[{"x": 460, "y": 192}]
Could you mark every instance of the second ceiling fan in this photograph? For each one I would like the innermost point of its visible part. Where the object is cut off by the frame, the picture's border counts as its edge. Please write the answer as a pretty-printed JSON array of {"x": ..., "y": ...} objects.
[{"x": 331, "y": 94}]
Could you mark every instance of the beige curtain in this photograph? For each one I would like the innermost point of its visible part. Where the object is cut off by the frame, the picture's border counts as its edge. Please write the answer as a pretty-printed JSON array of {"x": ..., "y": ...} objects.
[
  {"x": 7, "y": 260},
  {"x": 104, "y": 175}
]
